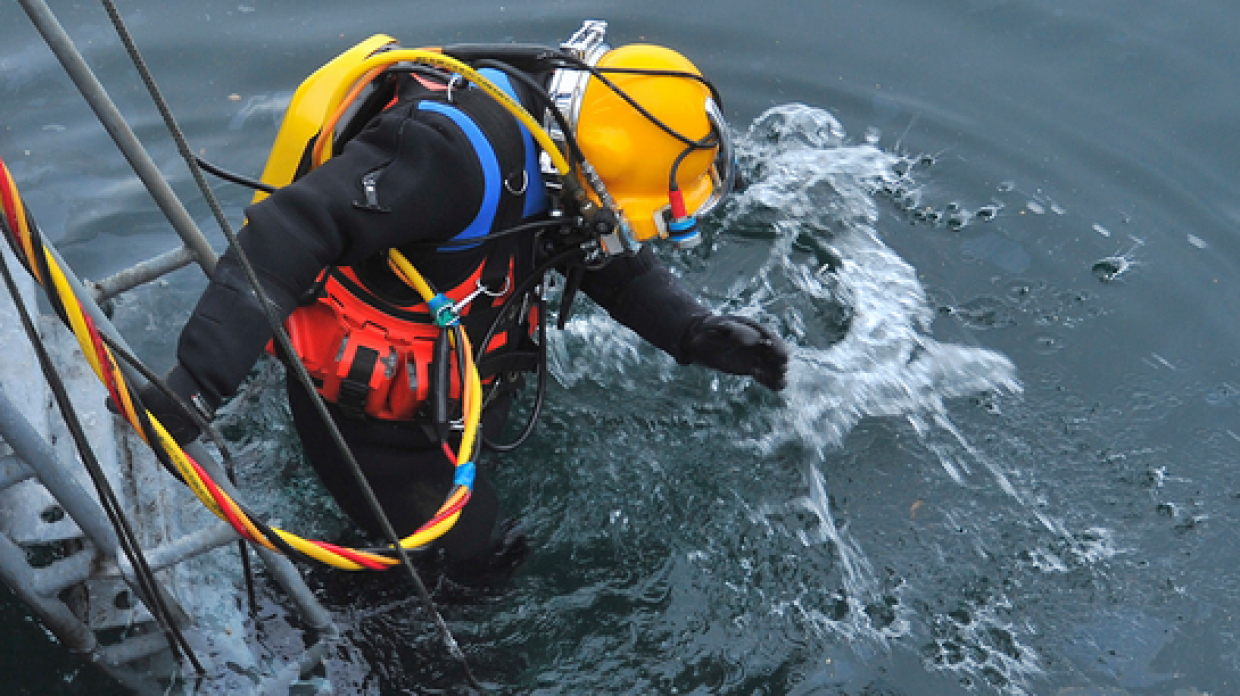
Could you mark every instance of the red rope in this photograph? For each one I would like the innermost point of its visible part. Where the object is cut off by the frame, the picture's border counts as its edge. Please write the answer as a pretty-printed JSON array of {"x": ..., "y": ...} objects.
[
  {"x": 352, "y": 555},
  {"x": 448, "y": 512},
  {"x": 218, "y": 496}
]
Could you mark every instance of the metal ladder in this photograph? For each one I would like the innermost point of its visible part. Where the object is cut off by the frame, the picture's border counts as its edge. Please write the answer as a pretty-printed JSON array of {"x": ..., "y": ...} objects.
[
  {"x": 60, "y": 555},
  {"x": 58, "y": 551}
]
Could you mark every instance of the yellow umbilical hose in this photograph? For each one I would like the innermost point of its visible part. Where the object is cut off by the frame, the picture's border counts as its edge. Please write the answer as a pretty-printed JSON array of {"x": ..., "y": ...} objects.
[
  {"x": 439, "y": 60},
  {"x": 46, "y": 270},
  {"x": 215, "y": 499},
  {"x": 471, "y": 391}
]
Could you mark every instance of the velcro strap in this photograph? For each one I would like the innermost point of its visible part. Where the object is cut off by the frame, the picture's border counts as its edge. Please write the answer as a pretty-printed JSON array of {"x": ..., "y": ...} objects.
[{"x": 355, "y": 387}]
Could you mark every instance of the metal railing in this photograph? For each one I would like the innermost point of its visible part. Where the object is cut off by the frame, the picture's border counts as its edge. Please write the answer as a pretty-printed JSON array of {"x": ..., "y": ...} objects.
[
  {"x": 53, "y": 500},
  {"x": 110, "y": 117}
]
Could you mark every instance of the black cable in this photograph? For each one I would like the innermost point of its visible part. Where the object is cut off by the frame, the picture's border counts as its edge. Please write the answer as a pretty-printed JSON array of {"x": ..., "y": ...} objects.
[
  {"x": 233, "y": 177},
  {"x": 454, "y": 244},
  {"x": 672, "y": 184},
  {"x": 247, "y": 572},
  {"x": 44, "y": 270},
  {"x": 462, "y": 357},
  {"x": 527, "y": 284},
  {"x": 538, "y": 275},
  {"x": 12, "y": 241},
  {"x": 598, "y": 73},
  {"x": 157, "y": 97},
  {"x": 539, "y": 394},
  {"x": 570, "y": 138},
  {"x": 655, "y": 72},
  {"x": 148, "y": 587}
]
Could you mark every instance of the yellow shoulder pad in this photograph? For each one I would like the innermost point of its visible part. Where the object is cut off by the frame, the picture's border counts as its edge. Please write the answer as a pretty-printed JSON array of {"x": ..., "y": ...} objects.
[{"x": 308, "y": 110}]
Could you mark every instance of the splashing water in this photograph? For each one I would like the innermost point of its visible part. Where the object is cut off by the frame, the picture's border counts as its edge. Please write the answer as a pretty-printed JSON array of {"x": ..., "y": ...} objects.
[
  {"x": 858, "y": 320},
  {"x": 815, "y": 191},
  {"x": 886, "y": 364},
  {"x": 858, "y": 323}
]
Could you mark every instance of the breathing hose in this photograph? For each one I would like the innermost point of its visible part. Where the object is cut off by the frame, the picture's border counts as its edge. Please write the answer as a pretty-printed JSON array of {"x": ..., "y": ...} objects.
[{"x": 439, "y": 60}]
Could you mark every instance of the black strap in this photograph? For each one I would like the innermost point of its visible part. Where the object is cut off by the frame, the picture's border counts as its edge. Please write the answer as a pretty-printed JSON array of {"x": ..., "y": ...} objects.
[
  {"x": 520, "y": 360},
  {"x": 355, "y": 387}
]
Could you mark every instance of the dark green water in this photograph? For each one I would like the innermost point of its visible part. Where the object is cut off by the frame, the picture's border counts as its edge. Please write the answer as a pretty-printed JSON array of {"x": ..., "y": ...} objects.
[{"x": 1002, "y": 238}]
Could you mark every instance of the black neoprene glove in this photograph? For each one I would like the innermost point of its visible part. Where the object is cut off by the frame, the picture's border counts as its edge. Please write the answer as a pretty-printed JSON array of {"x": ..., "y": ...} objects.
[
  {"x": 738, "y": 346},
  {"x": 179, "y": 424}
]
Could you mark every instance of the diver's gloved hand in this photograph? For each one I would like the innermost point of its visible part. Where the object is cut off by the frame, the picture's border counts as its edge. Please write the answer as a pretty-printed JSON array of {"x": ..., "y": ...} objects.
[
  {"x": 739, "y": 346},
  {"x": 179, "y": 424}
]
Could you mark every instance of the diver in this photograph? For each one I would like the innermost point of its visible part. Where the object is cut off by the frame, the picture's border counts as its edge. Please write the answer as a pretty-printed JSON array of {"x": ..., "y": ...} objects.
[{"x": 424, "y": 166}]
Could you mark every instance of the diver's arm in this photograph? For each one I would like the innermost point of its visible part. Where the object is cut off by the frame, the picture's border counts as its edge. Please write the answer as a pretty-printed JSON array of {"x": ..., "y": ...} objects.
[
  {"x": 429, "y": 188},
  {"x": 642, "y": 294}
]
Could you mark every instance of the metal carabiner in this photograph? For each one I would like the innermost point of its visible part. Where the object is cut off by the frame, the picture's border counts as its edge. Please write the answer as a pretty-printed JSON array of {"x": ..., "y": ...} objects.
[
  {"x": 453, "y": 82},
  {"x": 483, "y": 290}
]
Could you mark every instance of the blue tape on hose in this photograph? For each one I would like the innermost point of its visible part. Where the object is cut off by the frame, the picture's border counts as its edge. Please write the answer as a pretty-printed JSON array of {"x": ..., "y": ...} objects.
[
  {"x": 683, "y": 230},
  {"x": 442, "y": 310},
  {"x": 682, "y": 224},
  {"x": 465, "y": 475}
]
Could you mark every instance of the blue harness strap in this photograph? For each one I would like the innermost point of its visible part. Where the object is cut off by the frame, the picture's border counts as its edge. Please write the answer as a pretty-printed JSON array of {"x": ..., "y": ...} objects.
[
  {"x": 535, "y": 192},
  {"x": 535, "y": 200},
  {"x": 481, "y": 224}
]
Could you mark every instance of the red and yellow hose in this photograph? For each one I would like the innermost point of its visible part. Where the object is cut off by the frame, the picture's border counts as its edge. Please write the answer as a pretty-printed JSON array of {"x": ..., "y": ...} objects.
[{"x": 43, "y": 266}]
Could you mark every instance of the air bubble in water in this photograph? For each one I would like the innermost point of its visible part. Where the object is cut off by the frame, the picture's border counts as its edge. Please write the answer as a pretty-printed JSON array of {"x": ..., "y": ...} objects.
[
  {"x": 1110, "y": 268},
  {"x": 1046, "y": 345}
]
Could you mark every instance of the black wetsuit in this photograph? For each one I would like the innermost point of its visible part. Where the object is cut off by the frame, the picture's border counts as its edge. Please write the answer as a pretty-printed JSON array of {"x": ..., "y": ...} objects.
[{"x": 431, "y": 188}]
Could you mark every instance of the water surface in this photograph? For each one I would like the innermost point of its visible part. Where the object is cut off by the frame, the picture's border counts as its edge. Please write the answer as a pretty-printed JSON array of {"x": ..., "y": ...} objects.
[{"x": 1001, "y": 237}]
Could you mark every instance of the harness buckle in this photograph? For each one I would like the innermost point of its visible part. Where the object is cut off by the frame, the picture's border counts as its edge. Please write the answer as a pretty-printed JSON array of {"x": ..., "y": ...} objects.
[{"x": 361, "y": 370}]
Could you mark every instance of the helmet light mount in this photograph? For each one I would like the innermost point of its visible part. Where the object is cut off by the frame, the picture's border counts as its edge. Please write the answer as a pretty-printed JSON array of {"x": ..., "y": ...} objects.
[{"x": 566, "y": 90}]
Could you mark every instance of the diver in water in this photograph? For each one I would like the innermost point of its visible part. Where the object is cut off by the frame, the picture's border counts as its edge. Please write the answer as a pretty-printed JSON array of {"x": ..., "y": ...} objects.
[{"x": 426, "y": 164}]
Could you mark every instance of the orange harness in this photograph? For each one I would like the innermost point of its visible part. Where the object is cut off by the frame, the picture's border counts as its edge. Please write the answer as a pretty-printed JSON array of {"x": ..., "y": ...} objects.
[
  {"x": 369, "y": 356},
  {"x": 374, "y": 358}
]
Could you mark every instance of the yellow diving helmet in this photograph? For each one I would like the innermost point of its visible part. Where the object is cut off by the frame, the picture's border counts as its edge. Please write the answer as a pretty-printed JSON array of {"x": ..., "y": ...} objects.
[{"x": 650, "y": 127}]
